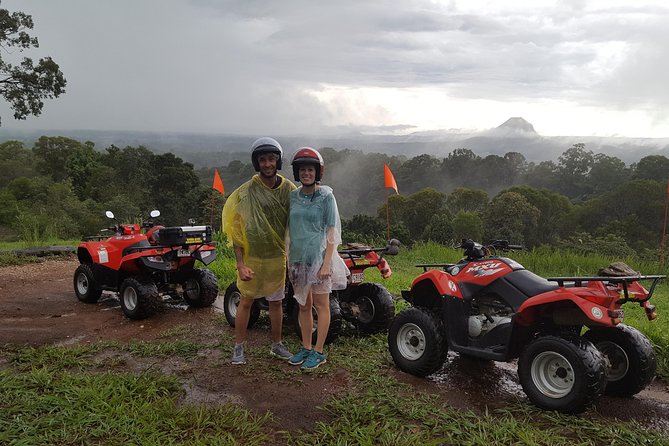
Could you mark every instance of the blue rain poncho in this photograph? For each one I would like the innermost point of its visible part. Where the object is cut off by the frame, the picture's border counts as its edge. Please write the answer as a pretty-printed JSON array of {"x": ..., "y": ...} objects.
[
  {"x": 314, "y": 222},
  {"x": 255, "y": 218}
]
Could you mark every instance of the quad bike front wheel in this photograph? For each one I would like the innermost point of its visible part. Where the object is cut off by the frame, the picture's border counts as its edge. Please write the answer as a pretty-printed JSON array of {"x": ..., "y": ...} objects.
[
  {"x": 231, "y": 302},
  {"x": 201, "y": 288},
  {"x": 335, "y": 321},
  {"x": 416, "y": 341},
  {"x": 139, "y": 297},
  {"x": 630, "y": 355},
  {"x": 370, "y": 307},
  {"x": 565, "y": 375},
  {"x": 85, "y": 285}
]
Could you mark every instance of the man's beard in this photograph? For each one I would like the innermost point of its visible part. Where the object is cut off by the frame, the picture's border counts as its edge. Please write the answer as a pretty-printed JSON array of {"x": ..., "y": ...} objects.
[{"x": 274, "y": 172}]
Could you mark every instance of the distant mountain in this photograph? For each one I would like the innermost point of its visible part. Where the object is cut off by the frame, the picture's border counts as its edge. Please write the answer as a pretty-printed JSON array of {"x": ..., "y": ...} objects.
[
  {"x": 516, "y": 125},
  {"x": 514, "y": 135}
]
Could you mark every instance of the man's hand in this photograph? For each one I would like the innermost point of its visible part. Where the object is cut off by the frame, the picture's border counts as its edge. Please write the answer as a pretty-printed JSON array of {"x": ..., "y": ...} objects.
[{"x": 245, "y": 273}]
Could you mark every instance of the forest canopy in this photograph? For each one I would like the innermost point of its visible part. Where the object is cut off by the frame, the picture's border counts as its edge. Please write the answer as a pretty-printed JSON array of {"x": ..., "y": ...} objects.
[{"x": 61, "y": 187}]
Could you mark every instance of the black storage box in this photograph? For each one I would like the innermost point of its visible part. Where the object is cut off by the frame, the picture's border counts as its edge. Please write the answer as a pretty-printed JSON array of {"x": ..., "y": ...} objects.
[{"x": 184, "y": 235}]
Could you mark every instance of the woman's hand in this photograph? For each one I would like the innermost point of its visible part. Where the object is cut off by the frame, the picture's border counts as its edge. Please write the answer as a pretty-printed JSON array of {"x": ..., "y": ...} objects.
[{"x": 324, "y": 272}]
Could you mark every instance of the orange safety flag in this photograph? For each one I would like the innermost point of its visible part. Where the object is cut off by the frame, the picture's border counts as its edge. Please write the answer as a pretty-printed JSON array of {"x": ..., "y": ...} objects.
[
  {"x": 218, "y": 183},
  {"x": 389, "y": 178}
]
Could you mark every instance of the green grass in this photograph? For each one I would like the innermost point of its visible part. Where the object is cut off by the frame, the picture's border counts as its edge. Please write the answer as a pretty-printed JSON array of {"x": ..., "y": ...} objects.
[
  {"x": 10, "y": 246},
  {"x": 379, "y": 410},
  {"x": 64, "y": 395},
  {"x": 44, "y": 406},
  {"x": 60, "y": 395}
]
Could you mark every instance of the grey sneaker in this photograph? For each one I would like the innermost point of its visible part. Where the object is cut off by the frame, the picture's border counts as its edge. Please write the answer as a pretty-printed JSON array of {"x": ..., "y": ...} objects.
[
  {"x": 238, "y": 357},
  {"x": 280, "y": 351}
]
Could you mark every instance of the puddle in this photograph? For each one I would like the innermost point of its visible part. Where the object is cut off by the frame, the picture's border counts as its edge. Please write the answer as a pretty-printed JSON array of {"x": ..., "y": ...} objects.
[
  {"x": 488, "y": 378},
  {"x": 199, "y": 396}
]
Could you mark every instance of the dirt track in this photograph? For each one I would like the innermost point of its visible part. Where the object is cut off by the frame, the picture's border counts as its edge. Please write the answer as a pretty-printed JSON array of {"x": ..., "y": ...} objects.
[{"x": 38, "y": 307}]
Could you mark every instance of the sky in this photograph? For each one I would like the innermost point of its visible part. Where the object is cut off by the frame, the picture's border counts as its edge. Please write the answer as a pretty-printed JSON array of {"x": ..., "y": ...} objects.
[{"x": 574, "y": 67}]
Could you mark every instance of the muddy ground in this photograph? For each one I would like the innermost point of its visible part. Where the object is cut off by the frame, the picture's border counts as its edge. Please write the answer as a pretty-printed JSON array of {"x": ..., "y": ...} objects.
[{"x": 38, "y": 307}]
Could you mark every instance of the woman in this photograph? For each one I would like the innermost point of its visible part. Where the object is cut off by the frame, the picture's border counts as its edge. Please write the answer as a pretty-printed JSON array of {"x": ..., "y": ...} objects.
[{"x": 314, "y": 267}]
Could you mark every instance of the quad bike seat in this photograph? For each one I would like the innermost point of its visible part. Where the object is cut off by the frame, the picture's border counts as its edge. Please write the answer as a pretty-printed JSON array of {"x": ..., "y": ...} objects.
[{"x": 529, "y": 283}]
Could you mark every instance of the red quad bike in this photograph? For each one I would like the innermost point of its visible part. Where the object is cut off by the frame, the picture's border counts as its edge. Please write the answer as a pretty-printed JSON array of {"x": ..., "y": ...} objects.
[
  {"x": 145, "y": 266},
  {"x": 492, "y": 308},
  {"x": 368, "y": 306}
]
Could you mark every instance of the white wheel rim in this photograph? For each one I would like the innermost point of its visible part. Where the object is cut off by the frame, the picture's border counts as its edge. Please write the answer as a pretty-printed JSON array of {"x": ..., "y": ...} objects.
[
  {"x": 411, "y": 341},
  {"x": 233, "y": 303},
  {"x": 82, "y": 283},
  {"x": 552, "y": 374},
  {"x": 618, "y": 361},
  {"x": 130, "y": 298}
]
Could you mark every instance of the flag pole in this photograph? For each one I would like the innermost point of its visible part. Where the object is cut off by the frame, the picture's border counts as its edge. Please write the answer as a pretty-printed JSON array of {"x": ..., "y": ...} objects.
[
  {"x": 388, "y": 215},
  {"x": 211, "y": 216},
  {"x": 664, "y": 228}
]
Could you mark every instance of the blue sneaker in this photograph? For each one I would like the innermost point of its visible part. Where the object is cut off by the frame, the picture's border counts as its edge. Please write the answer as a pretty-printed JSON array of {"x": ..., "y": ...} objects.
[
  {"x": 299, "y": 357},
  {"x": 314, "y": 360}
]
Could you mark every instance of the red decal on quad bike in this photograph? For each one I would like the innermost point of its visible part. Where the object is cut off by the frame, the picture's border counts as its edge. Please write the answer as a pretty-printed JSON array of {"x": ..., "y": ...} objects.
[{"x": 485, "y": 272}]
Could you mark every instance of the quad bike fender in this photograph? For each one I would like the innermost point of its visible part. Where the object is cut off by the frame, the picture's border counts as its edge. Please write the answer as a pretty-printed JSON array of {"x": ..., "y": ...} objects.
[
  {"x": 96, "y": 253},
  {"x": 442, "y": 282},
  {"x": 565, "y": 308}
]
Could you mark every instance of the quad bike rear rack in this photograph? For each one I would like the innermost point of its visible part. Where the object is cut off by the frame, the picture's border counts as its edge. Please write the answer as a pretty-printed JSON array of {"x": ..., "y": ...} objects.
[{"x": 614, "y": 280}]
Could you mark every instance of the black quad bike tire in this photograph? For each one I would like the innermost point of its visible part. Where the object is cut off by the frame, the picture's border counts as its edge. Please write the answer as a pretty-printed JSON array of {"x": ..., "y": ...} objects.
[
  {"x": 139, "y": 297},
  {"x": 417, "y": 341},
  {"x": 632, "y": 362},
  {"x": 335, "y": 321},
  {"x": 230, "y": 303},
  {"x": 201, "y": 288},
  {"x": 85, "y": 285},
  {"x": 375, "y": 305},
  {"x": 562, "y": 374}
]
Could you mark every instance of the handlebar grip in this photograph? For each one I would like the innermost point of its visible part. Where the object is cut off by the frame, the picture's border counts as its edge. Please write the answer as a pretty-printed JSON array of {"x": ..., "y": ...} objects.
[{"x": 515, "y": 247}]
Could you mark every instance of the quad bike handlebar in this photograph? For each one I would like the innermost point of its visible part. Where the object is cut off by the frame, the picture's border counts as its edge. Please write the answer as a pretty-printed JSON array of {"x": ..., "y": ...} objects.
[{"x": 475, "y": 251}]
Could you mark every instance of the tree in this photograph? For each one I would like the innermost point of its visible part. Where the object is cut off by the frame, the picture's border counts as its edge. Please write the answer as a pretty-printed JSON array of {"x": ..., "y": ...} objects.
[
  {"x": 467, "y": 225},
  {"x": 553, "y": 209},
  {"x": 573, "y": 168},
  {"x": 607, "y": 173},
  {"x": 15, "y": 161},
  {"x": 26, "y": 84},
  {"x": 510, "y": 216},
  {"x": 416, "y": 210},
  {"x": 468, "y": 200},
  {"x": 652, "y": 167}
]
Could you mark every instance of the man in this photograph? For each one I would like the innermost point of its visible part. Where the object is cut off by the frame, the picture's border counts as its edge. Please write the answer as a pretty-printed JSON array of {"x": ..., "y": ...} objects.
[{"x": 255, "y": 217}]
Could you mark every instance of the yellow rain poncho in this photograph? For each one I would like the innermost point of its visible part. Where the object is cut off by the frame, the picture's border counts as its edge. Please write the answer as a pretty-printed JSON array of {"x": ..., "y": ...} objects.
[{"x": 255, "y": 218}]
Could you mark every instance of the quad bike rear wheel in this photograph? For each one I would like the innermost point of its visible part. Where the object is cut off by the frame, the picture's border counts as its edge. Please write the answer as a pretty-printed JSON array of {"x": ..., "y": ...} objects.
[
  {"x": 85, "y": 285},
  {"x": 201, "y": 288},
  {"x": 416, "y": 341},
  {"x": 231, "y": 302},
  {"x": 370, "y": 308},
  {"x": 139, "y": 297},
  {"x": 335, "y": 321},
  {"x": 630, "y": 355},
  {"x": 565, "y": 375}
]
